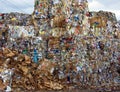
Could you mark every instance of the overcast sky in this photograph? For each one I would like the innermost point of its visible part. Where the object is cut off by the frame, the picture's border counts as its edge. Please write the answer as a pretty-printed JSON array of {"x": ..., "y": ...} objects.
[
  {"x": 106, "y": 5},
  {"x": 27, "y": 6}
]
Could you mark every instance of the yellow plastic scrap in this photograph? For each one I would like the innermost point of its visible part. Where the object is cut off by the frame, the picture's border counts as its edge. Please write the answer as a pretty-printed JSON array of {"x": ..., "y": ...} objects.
[
  {"x": 41, "y": 32},
  {"x": 13, "y": 19}
]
